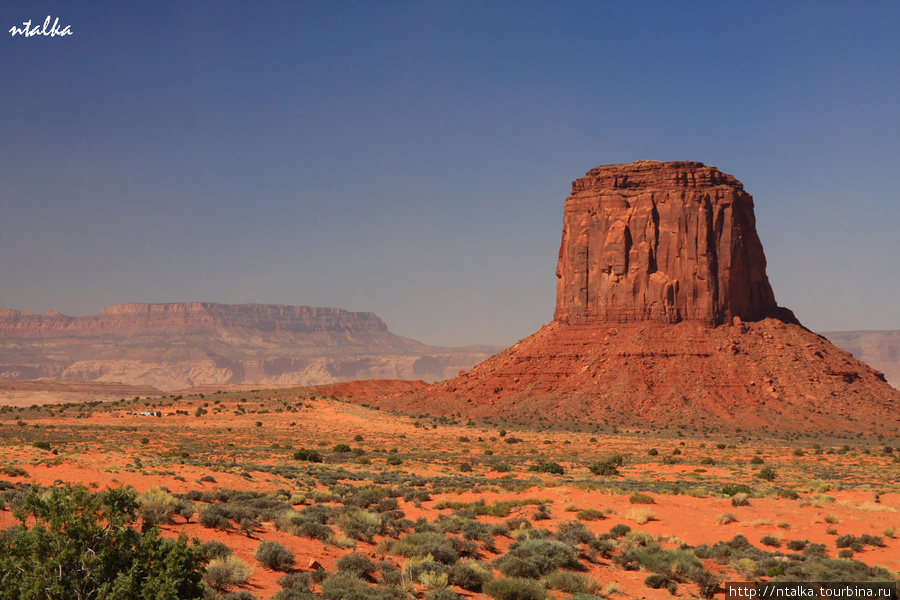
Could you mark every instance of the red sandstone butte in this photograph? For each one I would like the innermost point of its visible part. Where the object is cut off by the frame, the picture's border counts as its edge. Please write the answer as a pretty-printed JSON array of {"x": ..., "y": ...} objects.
[
  {"x": 665, "y": 316},
  {"x": 666, "y": 242}
]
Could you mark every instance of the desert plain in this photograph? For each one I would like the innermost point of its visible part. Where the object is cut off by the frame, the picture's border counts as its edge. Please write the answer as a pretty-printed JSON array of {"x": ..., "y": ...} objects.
[{"x": 597, "y": 510}]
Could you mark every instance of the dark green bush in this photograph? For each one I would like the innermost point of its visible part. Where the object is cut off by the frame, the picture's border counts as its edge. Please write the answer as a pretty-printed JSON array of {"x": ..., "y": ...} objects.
[
  {"x": 548, "y": 467},
  {"x": 357, "y": 564},
  {"x": 767, "y": 473},
  {"x": 657, "y": 581},
  {"x": 797, "y": 545},
  {"x": 213, "y": 517},
  {"x": 733, "y": 489},
  {"x": 273, "y": 555},
  {"x": 608, "y": 467},
  {"x": 308, "y": 455},
  {"x": 215, "y": 549},
  {"x": 62, "y": 529}
]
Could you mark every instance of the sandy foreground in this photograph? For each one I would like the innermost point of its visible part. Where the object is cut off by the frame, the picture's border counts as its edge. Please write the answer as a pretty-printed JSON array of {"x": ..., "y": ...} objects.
[{"x": 239, "y": 440}]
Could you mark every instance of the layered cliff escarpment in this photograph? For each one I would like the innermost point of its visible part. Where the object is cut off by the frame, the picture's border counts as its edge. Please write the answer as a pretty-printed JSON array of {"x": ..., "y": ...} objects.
[
  {"x": 665, "y": 315},
  {"x": 177, "y": 346}
]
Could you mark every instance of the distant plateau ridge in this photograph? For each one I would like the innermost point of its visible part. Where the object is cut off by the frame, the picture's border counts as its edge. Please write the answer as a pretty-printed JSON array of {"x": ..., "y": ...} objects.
[{"x": 188, "y": 345}]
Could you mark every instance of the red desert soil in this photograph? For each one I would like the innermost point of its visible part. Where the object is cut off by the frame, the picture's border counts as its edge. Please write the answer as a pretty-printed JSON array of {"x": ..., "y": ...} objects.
[{"x": 246, "y": 442}]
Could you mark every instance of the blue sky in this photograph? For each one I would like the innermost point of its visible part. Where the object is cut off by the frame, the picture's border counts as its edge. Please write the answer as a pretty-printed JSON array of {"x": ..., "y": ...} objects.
[{"x": 412, "y": 158}]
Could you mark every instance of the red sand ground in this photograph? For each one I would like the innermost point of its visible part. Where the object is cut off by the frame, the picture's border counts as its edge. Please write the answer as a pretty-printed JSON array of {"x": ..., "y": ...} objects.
[{"x": 98, "y": 446}]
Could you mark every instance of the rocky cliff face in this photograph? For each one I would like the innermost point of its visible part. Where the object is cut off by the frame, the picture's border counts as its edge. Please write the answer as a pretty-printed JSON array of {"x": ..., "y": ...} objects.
[
  {"x": 177, "y": 346},
  {"x": 665, "y": 316},
  {"x": 666, "y": 242},
  {"x": 188, "y": 318}
]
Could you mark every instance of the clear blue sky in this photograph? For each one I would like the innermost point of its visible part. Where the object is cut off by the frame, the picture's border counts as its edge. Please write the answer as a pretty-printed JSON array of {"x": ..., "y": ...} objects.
[{"x": 412, "y": 158}]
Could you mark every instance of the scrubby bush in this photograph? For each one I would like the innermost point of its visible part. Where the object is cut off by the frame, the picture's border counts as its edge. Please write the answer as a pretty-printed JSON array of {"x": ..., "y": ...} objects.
[
  {"x": 470, "y": 575},
  {"x": 767, "y": 473},
  {"x": 357, "y": 564},
  {"x": 515, "y": 588},
  {"x": 240, "y": 595},
  {"x": 740, "y": 500},
  {"x": 345, "y": 586},
  {"x": 273, "y": 555},
  {"x": 442, "y": 593},
  {"x": 92, "y": 540},
  {"x": 641, "y": 498},
  {"x": 553, "y": 468},
  {"x": 361, "y": 524},
  {"x": 589, "y": 514},
  {"x": 156, "y": 507},
  {"x": 308, "y": 455},
  {"x": 571, "y": 583},
  {"x": 797, "y": 545},
  {"x": 222, "y": 574},
  {"x": 608, "y": 467},
  {"x": 213, "y": 517},
  {"x": 732, "y": 489},
  {"x": 658, "y": 581},
  {"x": 215, "y": 549},
  {"x": 439, "y": 546},
  {"x": 536, "y": 557}
]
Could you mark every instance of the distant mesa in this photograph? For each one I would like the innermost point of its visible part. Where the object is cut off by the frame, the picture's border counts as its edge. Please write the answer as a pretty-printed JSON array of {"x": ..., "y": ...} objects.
[
  {"x": 193, "y": 345},
  {"x": 665, "y": 315}
]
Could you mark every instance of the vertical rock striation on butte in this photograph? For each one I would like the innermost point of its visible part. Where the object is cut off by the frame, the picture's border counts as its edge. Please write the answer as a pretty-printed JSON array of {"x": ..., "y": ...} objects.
[
  {"x": 665, "y": 315},
  {"x": 666, "y": 242}
]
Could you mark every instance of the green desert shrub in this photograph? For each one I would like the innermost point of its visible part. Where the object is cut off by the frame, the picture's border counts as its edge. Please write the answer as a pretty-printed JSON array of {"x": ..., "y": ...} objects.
[
  {"x": 536, "y": 557},
  {"x": 553, "y": 468},
  {"x": 61, "y": 531},
  {"x": 767, "y": 473},
  {"x": 589, "y": 514},
  {"x": 641, "y": 498},
  {"x": 515, "y": 588},
  {"x": 156, "y": 507},
  {"x": 608, "y": 466},
  {"x": 357, "y": 564},
  {"x": 571, "y": 583},
  {"x": 470, "y": 575},
  {"x": 222, "y": 574},
  {"x": 361, "y": 524},
  {"x": 442, "y": 593},
  {"x": 437, "y": 545},
  {"x": 273, "y": 555},
  {"x": 308, "y": 455},
  {"x": 215, "y": 549},
  {"x": 345, "y": 586}
]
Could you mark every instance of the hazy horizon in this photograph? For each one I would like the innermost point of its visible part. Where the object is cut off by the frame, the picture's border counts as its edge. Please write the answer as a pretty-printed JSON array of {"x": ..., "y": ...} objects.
[{"x": 411, "y": 159}]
